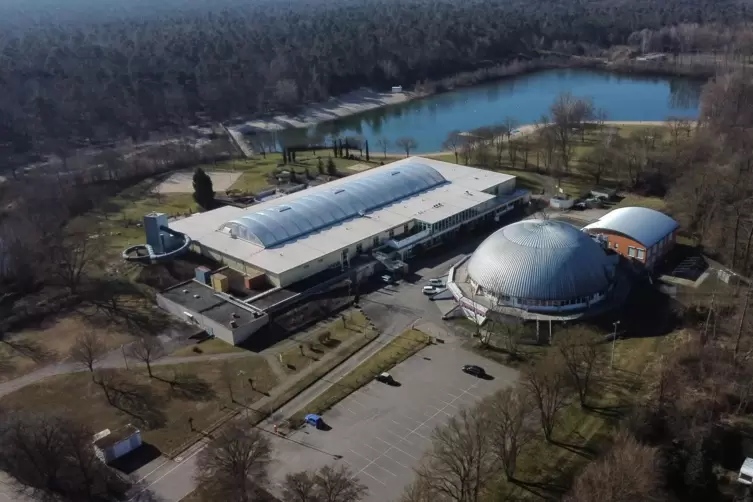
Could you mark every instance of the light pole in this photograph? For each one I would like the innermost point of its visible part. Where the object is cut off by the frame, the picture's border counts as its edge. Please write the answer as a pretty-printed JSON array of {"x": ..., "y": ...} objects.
[{"x": 614, "y": 339}]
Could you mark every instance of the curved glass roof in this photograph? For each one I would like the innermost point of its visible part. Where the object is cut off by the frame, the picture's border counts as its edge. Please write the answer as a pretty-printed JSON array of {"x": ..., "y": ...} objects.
[{"x": 320, "y": 209}]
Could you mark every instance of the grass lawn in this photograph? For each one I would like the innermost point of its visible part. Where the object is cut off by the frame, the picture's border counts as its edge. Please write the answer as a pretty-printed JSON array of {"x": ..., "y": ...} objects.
[
  {"x": 638, "y": 200},
  {"x": 160, "y": 406},
  {"x": 546, "y": 470},
  {"x": 321, "y": 340},
  {"x": 33, "y": 348},
  {"x": 398, "y": 350},
  {"x": 118, "y": 217},
  {"x": 208, "y": 347}
]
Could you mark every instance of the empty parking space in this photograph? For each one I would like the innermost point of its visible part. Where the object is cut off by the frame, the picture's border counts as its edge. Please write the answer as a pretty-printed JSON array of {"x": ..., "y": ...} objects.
[{"x": 381, "y": 432}]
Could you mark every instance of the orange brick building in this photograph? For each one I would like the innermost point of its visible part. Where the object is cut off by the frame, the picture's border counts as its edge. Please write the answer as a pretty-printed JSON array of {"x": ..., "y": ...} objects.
[{"x": 638, "y": 233}]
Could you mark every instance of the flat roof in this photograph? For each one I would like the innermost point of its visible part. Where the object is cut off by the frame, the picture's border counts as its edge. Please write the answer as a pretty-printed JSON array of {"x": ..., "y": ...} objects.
[
  {"x": 465, "y": 190},
  {"x": 185, "y": 294},
  {"x": 225, "y": 312}
]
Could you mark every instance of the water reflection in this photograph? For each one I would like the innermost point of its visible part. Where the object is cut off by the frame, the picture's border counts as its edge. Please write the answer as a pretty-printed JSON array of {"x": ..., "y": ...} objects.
[{"x": 524, "y": 98}]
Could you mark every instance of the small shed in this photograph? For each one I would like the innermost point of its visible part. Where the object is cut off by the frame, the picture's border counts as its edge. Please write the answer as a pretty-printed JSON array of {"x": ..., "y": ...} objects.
[
  {"x": 746, "y": 472},
  {"x": 561, "y": 202},
  {"x": 397, "y": 88},
  {"x": 110, "y": 445}
]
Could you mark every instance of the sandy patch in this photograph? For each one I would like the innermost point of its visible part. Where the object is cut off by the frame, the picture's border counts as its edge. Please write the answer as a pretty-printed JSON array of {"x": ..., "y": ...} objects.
[
  {"x": 349, "y": 104},
  {"x": 182, "y": 181},
  {"x": 360, "y": 167}
]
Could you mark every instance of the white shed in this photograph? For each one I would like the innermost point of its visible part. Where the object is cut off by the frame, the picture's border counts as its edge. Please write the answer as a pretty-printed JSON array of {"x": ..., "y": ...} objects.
[
  {"x": 110, "y": 445},
  {"x": 746, "y": 472}
]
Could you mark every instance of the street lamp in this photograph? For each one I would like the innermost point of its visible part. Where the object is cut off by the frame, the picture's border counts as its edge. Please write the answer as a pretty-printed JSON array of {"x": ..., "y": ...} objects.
[{"x": 614, "y": 338}]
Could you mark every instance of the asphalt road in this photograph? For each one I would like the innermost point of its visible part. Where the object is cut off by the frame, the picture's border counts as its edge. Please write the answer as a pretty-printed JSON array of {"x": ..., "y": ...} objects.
[{"x": 381, "y": 432}]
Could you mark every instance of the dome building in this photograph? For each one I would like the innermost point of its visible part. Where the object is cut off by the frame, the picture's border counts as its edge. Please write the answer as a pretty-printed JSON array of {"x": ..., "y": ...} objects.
[{"x": 543, "y": 266}]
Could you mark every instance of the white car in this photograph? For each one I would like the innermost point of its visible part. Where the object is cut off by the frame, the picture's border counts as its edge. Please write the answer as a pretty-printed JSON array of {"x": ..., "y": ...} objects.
[
  {"x": 436, "y": 282},
  {"x": 429, "y": 290}
]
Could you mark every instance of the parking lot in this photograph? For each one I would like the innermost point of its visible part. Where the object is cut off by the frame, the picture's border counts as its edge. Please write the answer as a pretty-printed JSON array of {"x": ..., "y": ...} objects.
[{"x": 381, "y": 432}]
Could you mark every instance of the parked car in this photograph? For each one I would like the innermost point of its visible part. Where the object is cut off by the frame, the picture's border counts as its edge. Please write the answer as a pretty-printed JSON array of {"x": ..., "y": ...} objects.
[
  {"x": 429, "y": 290},
  {"x": 384, "y": 378},
  {"x": 436, "y": 282},
  {"x": 315, "y": 420},
  {"x": 474, "y": 370},
  {"x": 388, "y": 279}
]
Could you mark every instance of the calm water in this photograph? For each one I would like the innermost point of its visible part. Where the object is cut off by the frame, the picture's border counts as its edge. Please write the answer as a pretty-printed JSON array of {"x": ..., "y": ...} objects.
[{"x": 524, "y": 98}]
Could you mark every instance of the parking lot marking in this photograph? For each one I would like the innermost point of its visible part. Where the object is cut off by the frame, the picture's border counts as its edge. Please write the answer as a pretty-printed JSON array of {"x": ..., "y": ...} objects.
[
  {"x": 375, "y": 479},
  {"x": 449, "y": 404},
  {"x": 398, "y": 449},
  {"x": 409, "y": 433},
  {"x": 399, "y": 437},
  {"x": 358, "y": 403},
  {"x": 440, "y": 410},
  {"x": 398, "y": 463},
  {"x": 351, "y": 411}
]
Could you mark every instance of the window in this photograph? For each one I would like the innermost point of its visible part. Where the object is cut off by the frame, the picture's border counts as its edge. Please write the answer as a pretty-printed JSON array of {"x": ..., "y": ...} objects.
[
  {"x": 359, "y": 248},
  {"x": 405, "y": 228},
  {"x": 641, "y": 254},
  {"x": 392, "y": 232},
  {"x": 631, "y": 251},
  {"x": 345, "y": 253},
  {"x": 376, "y": 241},
  {"x": 616, "y": 245}
]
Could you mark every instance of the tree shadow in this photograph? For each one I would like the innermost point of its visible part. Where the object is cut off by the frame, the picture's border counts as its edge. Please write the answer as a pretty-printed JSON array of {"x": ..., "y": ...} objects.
[
  {"x": 189, "y": 387},
  {"x": 584, "y": 451},
  {"x": 135, "y": 400},
  {"x": 31, "y": 349},
  {"x": 548, "y": 490}
]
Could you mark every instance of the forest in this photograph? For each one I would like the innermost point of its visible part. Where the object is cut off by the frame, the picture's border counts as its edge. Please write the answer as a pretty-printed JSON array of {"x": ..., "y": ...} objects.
[{"x": 98, "y": 74}]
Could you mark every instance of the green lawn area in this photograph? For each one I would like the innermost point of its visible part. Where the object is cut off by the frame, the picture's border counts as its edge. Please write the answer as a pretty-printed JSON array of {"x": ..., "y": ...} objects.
[
  {"x": 118, "y": 217},
  {"x": 399, "y": 349},
  {"x": 160, "y": 406},
  {"x": 583, "y": 434},
  {"x": 638, "y": 200},
  {"x": 318, "y": 342}
]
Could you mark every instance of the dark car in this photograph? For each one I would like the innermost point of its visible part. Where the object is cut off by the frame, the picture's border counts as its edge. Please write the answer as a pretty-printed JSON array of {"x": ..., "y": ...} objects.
[{"x": 474, "y": 370}]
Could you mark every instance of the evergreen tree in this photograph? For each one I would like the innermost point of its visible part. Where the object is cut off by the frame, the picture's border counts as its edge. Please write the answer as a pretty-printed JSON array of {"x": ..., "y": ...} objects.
[
  {"x": 308, "y": 174},
  {"x": 347, "y": 149},
  {"x": 367, "y": 150},
  {"x": 203, "y": 191},
  {"x": 334, "y": 149},
  {"x": 340, "y": 153},
  {"x": 293, "y": 176},
  {"x": 331, "y": 169},
  {"x": 320, "y": 165}
]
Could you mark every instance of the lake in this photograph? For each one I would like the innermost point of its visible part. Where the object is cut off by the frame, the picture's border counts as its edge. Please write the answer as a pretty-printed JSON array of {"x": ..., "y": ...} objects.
[{"x": 525, "y": 98}]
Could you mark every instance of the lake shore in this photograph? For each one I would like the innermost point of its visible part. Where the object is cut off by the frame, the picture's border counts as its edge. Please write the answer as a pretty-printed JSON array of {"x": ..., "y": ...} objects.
[{"x": 343, "y": 106}]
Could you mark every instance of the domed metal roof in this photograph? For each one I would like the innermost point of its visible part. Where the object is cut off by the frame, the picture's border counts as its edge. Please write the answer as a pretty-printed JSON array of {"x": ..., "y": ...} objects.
[{"x": 541, "y": 260}]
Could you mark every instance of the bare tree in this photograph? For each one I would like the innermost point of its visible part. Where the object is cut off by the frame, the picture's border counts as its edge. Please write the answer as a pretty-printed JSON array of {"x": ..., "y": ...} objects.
[
  {"x": 384, "y": 144},
  {"x": 512, "y": 426},
  {"x": 147, "y": 349},
  {"x": 630, "y": 471},
  {"x": 596, "y": 163},
  {"x": 338, "y": 485},
  {"x": 461, "y": 463},
  {"x": 548, "y": 387},
  {"x": 509, "y": 125},
  {"x": 453, "y": 143},
  {"x": 407, "y": 143},
  {"x": 52, "y": 459},
  {"x": 234, "y": 465},
  {"x": 568, "y": 113},
  {"x": 74, "y": 252},
  {"x": 227, "y": 376},
  {"x": 300, "y": 487},
  {"x": 579, "y": 356},
  {"x": 88, "y": 349}
]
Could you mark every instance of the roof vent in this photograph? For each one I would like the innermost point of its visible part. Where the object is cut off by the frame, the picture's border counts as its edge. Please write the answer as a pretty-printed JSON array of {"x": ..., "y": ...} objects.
[
  {"x": 339, "y": 190},
  {"x": 233, "y": 324},
  {"x": 185, "y": 291},
  {"x": 235, "y": 315},
  {"x": 284, "y": 208},
  {"x": 395, "y": 173},
  {"x": 196, "y": 296}
]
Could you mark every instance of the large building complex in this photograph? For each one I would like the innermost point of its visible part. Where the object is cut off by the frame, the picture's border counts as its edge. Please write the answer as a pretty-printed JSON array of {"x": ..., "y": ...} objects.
[
  {"x": 638, "y": 233},
  {"x": 538, "y": 266},
  {"x": 386, "y": 211}
]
